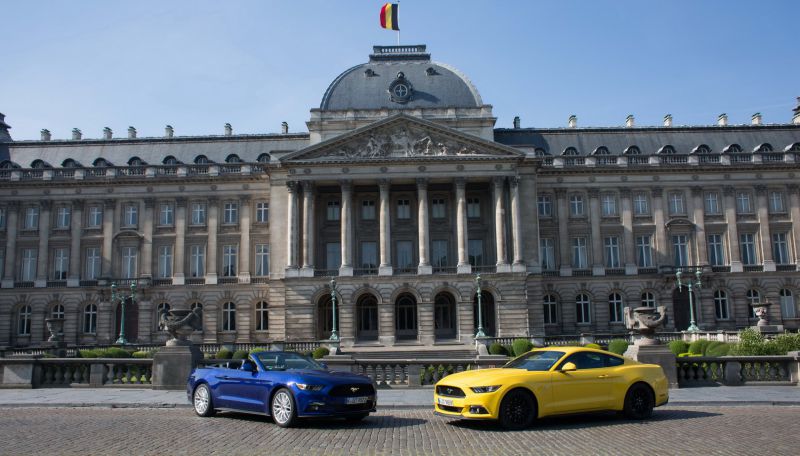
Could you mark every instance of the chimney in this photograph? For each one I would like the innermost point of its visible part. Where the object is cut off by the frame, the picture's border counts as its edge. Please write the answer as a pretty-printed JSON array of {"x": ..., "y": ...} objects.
[
  {"x": 76, "y": 134},
  {"x": 45, "y": 134},
  {"x": 796, "y": 116},
  {"x": 228, "y": 129},
  {"x": 168, "y": 131},
  {"x": 516, "y": 122},
  {"x": 756, "y": 119},
  {"x": 131, "y": 132},
  {"x": 107, "y": 133},
  {"x": 284, "y": 128},
  {"x": 722, "y": 120},
  {"x": 668, "y": 120},
  {"x": 629, "y": 121},
  {"x": 573, "y": 121}
]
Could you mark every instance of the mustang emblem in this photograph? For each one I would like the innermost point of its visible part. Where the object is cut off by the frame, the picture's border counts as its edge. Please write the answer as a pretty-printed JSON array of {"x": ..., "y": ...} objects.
[{"x": 355, "y": 388}]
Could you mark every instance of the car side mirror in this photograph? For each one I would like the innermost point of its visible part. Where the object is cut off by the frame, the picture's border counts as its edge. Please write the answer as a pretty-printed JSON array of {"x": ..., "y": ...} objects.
[
  {"x": 569, "y": 367},
  {"x": 248, "y": 366}
]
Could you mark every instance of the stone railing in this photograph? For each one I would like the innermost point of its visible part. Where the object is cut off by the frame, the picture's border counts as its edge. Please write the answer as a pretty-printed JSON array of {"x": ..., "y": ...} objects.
[
  {"x": 409, "y": 372},
  {"x": 76, "y": 372},
  {"x": 738, "y": 370},
  {"x": 73, "y": 351}
]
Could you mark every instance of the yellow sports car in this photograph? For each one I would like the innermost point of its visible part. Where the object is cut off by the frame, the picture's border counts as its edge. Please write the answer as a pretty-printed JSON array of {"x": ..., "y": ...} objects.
[{"x": 553, "y": 381}]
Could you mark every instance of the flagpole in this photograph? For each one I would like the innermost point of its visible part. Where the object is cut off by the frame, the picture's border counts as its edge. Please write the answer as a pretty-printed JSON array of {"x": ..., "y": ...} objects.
[{"x": 398, "y": 29}]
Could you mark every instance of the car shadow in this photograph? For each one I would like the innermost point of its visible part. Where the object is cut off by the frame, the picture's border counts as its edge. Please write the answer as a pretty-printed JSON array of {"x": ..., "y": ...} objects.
[{"x": 370, "y": 422}]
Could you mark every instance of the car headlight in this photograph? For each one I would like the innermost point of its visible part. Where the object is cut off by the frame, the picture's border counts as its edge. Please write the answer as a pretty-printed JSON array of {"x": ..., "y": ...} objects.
[
  {"x": 485, "y": 389},
  {"x": 307, "y": 387}
]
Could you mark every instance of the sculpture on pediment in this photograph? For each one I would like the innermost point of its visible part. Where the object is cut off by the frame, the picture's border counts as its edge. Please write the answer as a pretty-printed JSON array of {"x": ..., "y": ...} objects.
[{"x": 401, "y": 142}]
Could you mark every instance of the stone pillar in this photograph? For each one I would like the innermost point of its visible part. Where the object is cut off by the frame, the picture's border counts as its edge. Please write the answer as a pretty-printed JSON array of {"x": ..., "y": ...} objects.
[
  {"x": 500, "y": 225},
  {"x": 385, "y": 222},
  {"x": 794, "y": 209},
  {"x": 244, "y": 239},
  {"x": 147, "y": 242},
  {"x": 308, "y": 229},
  {"x": 628, "y": 246},
  {"x": 74, "y": 275},
  {"x": 598, "y": 266},
  {"x": 763, "y": 229},
  {"x": 565, "y": 266},
  {"x": 699, "y": 226},
  {"x": 346, "y": 269},
  {"x": 109, "y": 206},
  {"x": 516, "y": 226},
  {"x": 732, "y": 228},
  {"x": 661, "y": 229},
  {"x": 422, "y": 227},
  {"x": 178, "y": 277},
  {"x": 44, "y": 244},
  {"x": 463, "y": 266},
  {"x": 291, "y": 229},
  {"x": 10, "y": 269},
  {"x": 213, "y": 223}
]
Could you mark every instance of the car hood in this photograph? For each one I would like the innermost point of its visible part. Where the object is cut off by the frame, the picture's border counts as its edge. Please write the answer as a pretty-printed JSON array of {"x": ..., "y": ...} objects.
[
  {"x": 330, "y": 376},
  {"x": 483, "y": 377}
]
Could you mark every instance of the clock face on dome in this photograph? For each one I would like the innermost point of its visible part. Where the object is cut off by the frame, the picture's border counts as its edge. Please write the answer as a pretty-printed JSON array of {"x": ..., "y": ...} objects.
[{"x": 400, "y": 90}]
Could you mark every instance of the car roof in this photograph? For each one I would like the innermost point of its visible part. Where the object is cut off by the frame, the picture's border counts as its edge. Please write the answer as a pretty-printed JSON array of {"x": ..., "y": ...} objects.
[{"x": 569, "y": 349}]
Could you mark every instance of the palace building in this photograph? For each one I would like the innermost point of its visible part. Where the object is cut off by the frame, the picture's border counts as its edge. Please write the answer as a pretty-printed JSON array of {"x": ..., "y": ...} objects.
[{"x": 404, "y": 191}]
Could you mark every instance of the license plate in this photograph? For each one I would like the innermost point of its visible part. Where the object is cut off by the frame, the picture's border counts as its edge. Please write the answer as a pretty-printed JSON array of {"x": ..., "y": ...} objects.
[
  {"x": 356, "y": 400},
  {"x": 447, "y": 402}
]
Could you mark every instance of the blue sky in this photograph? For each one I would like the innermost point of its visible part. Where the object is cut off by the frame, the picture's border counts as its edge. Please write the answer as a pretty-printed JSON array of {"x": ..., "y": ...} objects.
[{"x": 198, "y": 64}]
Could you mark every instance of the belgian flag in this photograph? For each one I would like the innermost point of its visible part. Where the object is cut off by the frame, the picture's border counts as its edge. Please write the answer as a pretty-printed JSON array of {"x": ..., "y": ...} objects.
[{"x": 389, "y": 16}]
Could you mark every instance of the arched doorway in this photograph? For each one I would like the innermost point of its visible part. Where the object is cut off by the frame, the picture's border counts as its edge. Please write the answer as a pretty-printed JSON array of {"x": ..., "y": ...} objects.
[
  {"x": 131, "y": 321},
  {"x": 405, "y": 312},
  {"x": 487, "y": 313},
  {"x": 680, "y": 308},
  {"x": 367, "y": 318},
  {"x": 444, "y": 316},
  {"x": 325, "y": 317}
]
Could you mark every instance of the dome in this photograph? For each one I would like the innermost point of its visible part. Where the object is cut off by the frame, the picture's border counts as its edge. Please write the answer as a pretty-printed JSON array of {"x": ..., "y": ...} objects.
[{"x": 400, "y": 77}]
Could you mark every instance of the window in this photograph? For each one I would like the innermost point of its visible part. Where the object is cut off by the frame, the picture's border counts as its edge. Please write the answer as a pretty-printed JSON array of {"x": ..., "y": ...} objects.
[
  {"x": 753, "y": 299},
  {"x": 229, "y": 316},
  {"x": 29, "y": 257},
  {"x": 196, "y": 305},
  {"x": 648, "y": 299},
  {"x": 582, "y": 308},
  {"x": 403, "y": 209},
  {"x": 368, "y": 210},
  {"x": 333, "y": 255},
  {"x": 547, "y": 254},
  {"x": 262, "y": 212},
  {"x": 95, "y": 219},
  {"x": 576, "y": 205},
  {"x": 57, "y": 311},
  {"x": 780, "y": 248},
  {"x": 90, "y": 319},
  {"x": 63, "y": 217},
  {"x": 788, "y": 310},
  {"x": 721, "y": 305},
  {"x": 60, "y": 264},
  {"x": 550, "y": 309},
  {"x": 198, "y": 213},
  {"x": 24, "y": 321},
  {"x": 579, "y": 260},
  {"x": 641, "y": 205},
  {"x": 92, "y": 263},
  {"x": 676, "y": 204},
  {"x": 743, "y": 205},
  {"x": 369, "y": 255},
  {"x": 609, "y": 205},
  {"x": 405, "y": 254},
  {"x": 2, "y": 217},
  {"x": 748, "y": 248},
  {"x": 473, "y": 208},
  {"x": 230, "y": 213},
  {"x": 776, "y": 203},
  {"x": 439, "y": 253},
  {"x": 2, "y": 262},
  {"x": 262, "y": 316},
  {"x": 712, "y": 203},
  {"x": 130, "y": 215},
  {"x": 716, "y": 255},
  {"x": 130, "y": 257},
  {"x": 680, "y": 250},
  {"x": 166, "y": 215},
  {"x": 615, "y": 308},
  {"x": 438, "y": 208},
  {"x": 545, "y": 205},
  {"x": 165, "y": 261},
  {"x": 475, "y": 252},
  {"x": 644, "y": 251},
  {"x": 612, "y": 251},
  {"x": 197, "y": 260},
  {"x": 230, "y": 257},
  {"x": 160, "y": 309},
  {"x": 31, "y": 218},
  {"x": 333, "y": 213},
  {"x": 262, "y": 259}
]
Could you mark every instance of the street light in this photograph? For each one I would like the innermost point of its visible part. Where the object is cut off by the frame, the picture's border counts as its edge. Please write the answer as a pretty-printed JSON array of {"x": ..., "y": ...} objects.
[
  {"x": 334, "y": 332},
  {"x": 697, "y": 284},
  {"x": 122, "y": 298},
  {"x": 480, "y": 332}
]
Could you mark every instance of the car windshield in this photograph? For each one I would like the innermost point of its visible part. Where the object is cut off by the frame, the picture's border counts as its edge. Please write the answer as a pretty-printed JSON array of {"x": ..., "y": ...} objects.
[
  {"x": 286, "y": 360},
  {"x": 535, "y": 360}
]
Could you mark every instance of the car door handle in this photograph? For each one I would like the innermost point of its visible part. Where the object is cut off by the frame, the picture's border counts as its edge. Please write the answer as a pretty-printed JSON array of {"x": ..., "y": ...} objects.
[
  {"x": 602, "y": 376},
  {"x": 223, "y": 377}
]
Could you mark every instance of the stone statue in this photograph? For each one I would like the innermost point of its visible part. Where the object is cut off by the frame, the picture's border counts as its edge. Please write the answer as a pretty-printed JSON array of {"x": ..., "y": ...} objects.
[
  {"x": 180, "y": 323},
  {"x": 645, "y": 320}
]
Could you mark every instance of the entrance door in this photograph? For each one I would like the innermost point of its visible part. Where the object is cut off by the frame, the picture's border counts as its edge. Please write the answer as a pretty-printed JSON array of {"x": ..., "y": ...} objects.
[
  {"x": 131, "y": 321},
  {"x": 367, "y": 318},
  {"x": 486, "y": 314},
  {"x": 406, "y": 317},
  {"x": 444, "y": 316},
  {"x": 680, "y": 308}
]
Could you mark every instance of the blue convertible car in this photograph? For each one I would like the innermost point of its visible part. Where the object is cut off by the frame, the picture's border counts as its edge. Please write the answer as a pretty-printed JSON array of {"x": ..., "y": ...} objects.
[{"x": 284, "y": 385}]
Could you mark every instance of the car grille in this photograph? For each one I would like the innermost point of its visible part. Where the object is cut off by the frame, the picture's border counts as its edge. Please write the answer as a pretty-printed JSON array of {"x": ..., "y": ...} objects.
[
  {"x": 450, "y": 409},
  {"x": 450, "y": 391},
  {"x": 359, "y": 389}
]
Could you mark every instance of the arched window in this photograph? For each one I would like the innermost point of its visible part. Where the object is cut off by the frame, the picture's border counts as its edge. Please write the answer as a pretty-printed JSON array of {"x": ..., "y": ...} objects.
[
  {"x": 633, "y": 150},
  {"x": 24, "y": 321},
  {"x": 444, "y": 316},
  {"x": 602, "y": 150},
  {"x": 57, "y": 311},
  {"x": 90, "y": 319},
  {"x": 201, "y": 160},
  {"x": 753, "y": 298},
  {"x": 40, "y": 164},
  {"x": 648, "y": 299},
  {"x": 583, "y": 309},
  {"x": 615, "y": 308},
  {"x": 766, "y": 147},
  {"x": 788, "y": 309},
  {"x": 233, "y": 158},
  {"x": 733, "y": 149},
  {"x": 101, "y": 163},
  {"x": 196, "y": 305},
  {"x": 550, "y": 309},
  {"x": 263, "y": 158},
  {"x": 262, "y": 316},
  {"x": 793, "y": 147},
  {"x": 70, "y": 163},
  {"x": 405, "y": 309},
  {"x": 170, "y": 160},
  {"x": 367, "y": 318},
  {"x": 539, "y": 152},
  {"x": 136, "y": 161},
  {"x": 702, "y": 149},
  {"x": 667, "y": 150},
  {"x": 7, "y": 164},
  {"x": 229, "y": 316},
  {"x": 721, "y": 305},
  {"x": 571, "y": 152}
]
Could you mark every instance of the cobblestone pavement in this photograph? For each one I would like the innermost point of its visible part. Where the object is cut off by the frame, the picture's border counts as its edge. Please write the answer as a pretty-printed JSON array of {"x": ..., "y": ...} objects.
[{"x": 734, "y": 430}]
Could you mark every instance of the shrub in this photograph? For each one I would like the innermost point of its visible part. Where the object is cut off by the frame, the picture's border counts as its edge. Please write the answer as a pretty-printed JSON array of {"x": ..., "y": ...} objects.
[
  {"x": 240, "y": 354},
  {"x": 320, "y": 352},
  {"x": 521, "y": 346},
  {"x": 258, "y": 350},
  {"x": 114, "y": 352},
  {"x": 497, "y": 349},
  {"x": 224, "y": 354},
  {"x": 751, "y": 343},
  {"x": 142, "y": 354},
  {"x": 593, "y": 345},
  {"x": 786, "y": 343},
  {"x": 678, "y": 346},
  {"x": 509, "y": 350},
  {"x": 88, "y": 353},
  {"x": 617, "y": 346},
  {"x": 698, "y": 347},
  {"x": 716, "y": 349}
]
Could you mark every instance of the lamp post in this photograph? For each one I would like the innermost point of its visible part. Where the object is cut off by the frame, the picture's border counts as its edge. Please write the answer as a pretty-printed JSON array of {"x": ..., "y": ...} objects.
[
  {"x": 697, "y": 284},
  {"x": 480, "y": 332},
  {"x": 334, "y": 332},
  {"x": 122, "y": 298}
]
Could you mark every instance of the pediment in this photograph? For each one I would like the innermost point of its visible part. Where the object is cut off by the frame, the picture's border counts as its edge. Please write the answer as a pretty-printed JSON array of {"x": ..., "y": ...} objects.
[{"x": 402, "y": 137}]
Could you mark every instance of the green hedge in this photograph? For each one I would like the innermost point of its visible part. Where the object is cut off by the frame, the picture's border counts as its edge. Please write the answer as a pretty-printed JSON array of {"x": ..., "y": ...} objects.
[
  {"x": 678, "y": 346},
  {"x": 320, "y": 352},
  {"x": 258, "y": 350},
  {"x": 521, "y": 346},
  {"x": 240, "y": 354},
  {"x": 112, "y": 352},
  {"x": 224, "y": 354},
  {"x": 698, "y": 347},
  {"x": 717, "y": 349},
  {"x": 617, "y": 346},
  {"x": 752, "y": 343},
  {"x": 497, "y": 349}
]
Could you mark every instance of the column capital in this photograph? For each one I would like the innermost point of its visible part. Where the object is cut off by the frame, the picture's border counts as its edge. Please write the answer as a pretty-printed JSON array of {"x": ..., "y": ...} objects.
[
  {"x": 625, "y": 192},
  {"x": 793, "y": 188},
  {"x": 697, "y": 191},
  {"x": 181, "y": 201},
  {"x": 657, "y": 192},
  {"x": 149, "y": 203},
  {"x": 560, "y": 192},
  {"x": 422, "y": 182},
  {"x": 461, "y": 182},
  {"x": 593, "y": 193},
  {"x": 499, "y": 181},
  {"x": 77, "y": 205},
  {"x": 291, "y": 186},
  {"x": 13, "y": 205},
  {"x": 383, "y": 184},
  {"x": 761, "y": 190},
  {"x": 308, "y": 187},
  {"x": 109, "y": 203},
  {"x": 346, "y": 184},
  {"x": 729, "y": 190},
  {"x": 45, "y": 204},
  {"x": 513, "y": 181},
  {"x": 212, "y": 201},
  {"x": 245, "y": 198}
]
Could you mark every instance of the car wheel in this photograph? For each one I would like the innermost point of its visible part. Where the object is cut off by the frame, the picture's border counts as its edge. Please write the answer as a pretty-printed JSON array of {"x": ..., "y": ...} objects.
[
  {"x": 203, "y": 405},
  {"x": 517, "y": 410},
  {"x": 638, "y": 402},
  {"x": 283, "y": 409},
  {"x": 356, "y": 418}
]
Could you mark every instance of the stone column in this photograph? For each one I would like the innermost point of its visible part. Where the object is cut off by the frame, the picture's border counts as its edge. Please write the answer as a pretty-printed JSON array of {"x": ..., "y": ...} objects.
[
  {"x": 308, "y": 230},
  {"x": 244, "y": 239},
  {"x": 629, "y": 249},
  {"x": 346, "y": 269},
  {"x": 74, "y": 276},
  {"x": 213, "y": 223},
  {"x": 794, "y": 209},
  {"x": 10, "y": 269},
  {"x": 385, "y": 223},
  {"x": 291, "y": 229},
  {"x": 661, "y": 229},
  {"x": 422, "y": 227},
  {"x": 44, "y": 244},
  {"x": 463, "y": 266},
  {"x": 598, "y": 266},
  {"x": 699, "y": 226},
  {"x": 763, "y": 229},
  {"x": 500, "y": 225},
  {"x": 147, "y": 241},
  {"x": 109, "y": 207},
  {"x": 178, "y": 277},
  {"x": 565, "y": 267},
  {"x": 516, "y": 226},
  {"x": 733, "y": 230}
]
